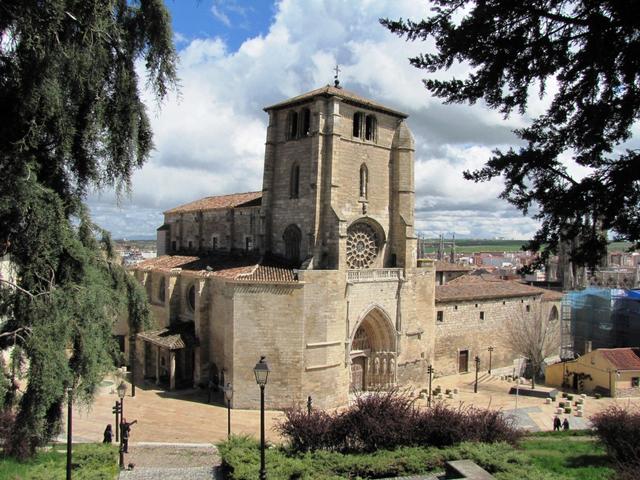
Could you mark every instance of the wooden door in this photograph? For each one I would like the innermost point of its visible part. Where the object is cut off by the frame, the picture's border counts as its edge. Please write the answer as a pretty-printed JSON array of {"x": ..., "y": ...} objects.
[
  {"x": 463, "y": 361},
  {"x": 357, "y": 374}
]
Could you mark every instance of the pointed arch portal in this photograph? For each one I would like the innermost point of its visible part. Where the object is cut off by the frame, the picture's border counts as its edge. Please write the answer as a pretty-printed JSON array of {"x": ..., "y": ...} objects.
[{"x": 373, "y": 353}]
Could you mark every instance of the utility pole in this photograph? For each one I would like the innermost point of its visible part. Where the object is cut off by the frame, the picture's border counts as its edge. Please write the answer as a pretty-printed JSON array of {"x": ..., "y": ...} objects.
[{"x": 475, "y": 386}]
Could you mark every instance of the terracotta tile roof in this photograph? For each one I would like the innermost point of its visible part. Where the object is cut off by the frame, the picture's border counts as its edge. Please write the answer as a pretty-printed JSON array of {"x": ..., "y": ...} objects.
[
  {"x": 470, "y": 287},
  {"x": 551, "y": 296},
  {"x": 622, "y": 358},
  {"x": 249, "y": 268},
  {"x": 442, "y": 266},
  {"x": 220, "y": 201},
  {"x": 174, "y": 337},
  {"x": 336, "y": 92}
]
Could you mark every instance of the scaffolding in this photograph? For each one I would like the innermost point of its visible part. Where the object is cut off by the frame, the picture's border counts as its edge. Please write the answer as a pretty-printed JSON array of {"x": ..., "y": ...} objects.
[{"x": 599, "y": 318}]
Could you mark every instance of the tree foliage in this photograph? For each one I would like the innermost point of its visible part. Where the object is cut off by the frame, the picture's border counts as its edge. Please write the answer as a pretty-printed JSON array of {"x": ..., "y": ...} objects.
[
  {"x": 585, "y": 56},
  {"x": 72, "y": 119}
]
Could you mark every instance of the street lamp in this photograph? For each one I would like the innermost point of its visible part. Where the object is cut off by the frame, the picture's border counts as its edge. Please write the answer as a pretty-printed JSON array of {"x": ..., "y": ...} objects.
[
  {"x": 261, "y": 371},
  {"x": 69, "y": 434},
  {"x": 122, "y": 391},
  {"x": 475, "y": 385},
  {"x": 430, "y": 372},
  {"x": 228, "y": 394},
  {"x": 490, "y": 352}
]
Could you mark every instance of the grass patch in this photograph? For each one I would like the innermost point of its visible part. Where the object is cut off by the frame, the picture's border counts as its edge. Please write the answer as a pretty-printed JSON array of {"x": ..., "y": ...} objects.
[
  {"x": 568, "y": 455},
  {"x": 564, "y": 456},
  {"x": 90, "y": 462}
]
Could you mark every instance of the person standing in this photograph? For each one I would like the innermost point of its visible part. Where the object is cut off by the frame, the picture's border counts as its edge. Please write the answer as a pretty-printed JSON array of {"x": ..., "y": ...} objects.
[
  {"x": 565, "y": 424},
  {"x": 556, "y": 424},
  {"x": 126, "y": 432},
  {"x": 108, "y": 434}
]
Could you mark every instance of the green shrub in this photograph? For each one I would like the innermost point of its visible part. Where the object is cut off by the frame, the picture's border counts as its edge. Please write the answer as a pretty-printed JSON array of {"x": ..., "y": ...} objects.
[
  {"x": 567, "y": 410},
  {"x": 561, "y": 404},
  {"x": 569, "y": 397},
  {"x": 564, "y": 395}
]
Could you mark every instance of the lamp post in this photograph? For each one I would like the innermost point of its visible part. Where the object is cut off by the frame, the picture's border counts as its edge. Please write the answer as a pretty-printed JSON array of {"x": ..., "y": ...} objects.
[
  {"x": 69, "y": 432},
  {"x": 228, "y": 395},
  {"x": 475, "y": 385},
  {"x": 122, "y": 391},
  {"x": 490, "y": 352},
  {"x": 430, "y": 372},
  {"x": 261, "y": 371},
  {"x": 116, "y": 411}
]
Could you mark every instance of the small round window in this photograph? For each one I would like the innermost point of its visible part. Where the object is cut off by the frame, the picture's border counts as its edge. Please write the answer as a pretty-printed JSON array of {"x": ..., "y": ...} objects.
[{"x": 191, "y": 297}]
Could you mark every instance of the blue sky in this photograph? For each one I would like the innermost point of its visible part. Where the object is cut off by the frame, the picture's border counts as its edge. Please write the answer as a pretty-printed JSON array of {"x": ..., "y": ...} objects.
[
  {"x": 237, "y": 56},
  {"x": 232, "y": 21}
]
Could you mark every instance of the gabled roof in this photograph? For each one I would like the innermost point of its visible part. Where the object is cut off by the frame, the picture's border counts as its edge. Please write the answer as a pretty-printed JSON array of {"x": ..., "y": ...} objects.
[
  {"x": 174, "y": 337},
  {"x": 246, "y": 199},
  {"x": 471, "y": 287},
  {"x": 622, "y": 358},
  {"x": 247, "y": 268},
  {"x": 330, "y": 91}
]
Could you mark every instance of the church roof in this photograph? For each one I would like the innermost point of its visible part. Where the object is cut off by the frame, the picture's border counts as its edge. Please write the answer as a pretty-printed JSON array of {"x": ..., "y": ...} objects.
[
  {"x": 246, "y": 199},
  {"x": 472, "y": 287},
  {"x": 245, "y": 268},
  {"x": 330, "y": 91},
  {"x": 174, "y": 337}
]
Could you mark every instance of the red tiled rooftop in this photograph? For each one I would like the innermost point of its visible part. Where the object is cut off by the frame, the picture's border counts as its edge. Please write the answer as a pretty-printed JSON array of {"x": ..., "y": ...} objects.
[
  {"x": 470, "y": 287},
  {"x": 250, "y": 268},
  {"x": 219, "y": 201},
  {"x": 442, "y": 266},
  {"x": 622, "y": 358}
]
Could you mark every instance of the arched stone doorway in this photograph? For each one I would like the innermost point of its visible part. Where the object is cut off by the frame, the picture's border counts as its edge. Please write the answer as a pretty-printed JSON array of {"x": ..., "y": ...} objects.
[{"x": 373, "y": 353}]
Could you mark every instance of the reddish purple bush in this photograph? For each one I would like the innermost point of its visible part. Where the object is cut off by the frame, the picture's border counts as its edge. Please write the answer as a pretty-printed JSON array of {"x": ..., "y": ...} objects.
[
  {"x": 390, "y": 419},
  {"x": 619, "y": 430}
]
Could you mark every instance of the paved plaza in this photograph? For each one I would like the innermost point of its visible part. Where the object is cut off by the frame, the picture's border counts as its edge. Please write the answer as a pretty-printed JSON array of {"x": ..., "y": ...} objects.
[{"x": 176, "y": 431}]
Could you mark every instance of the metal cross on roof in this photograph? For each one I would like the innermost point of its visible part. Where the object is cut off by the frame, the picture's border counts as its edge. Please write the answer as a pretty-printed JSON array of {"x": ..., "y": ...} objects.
[{"x": 336, "y": 82}]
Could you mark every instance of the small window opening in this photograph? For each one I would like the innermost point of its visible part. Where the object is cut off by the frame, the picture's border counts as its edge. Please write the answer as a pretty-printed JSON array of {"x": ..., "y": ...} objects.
[
  {"x": 370, "y": 128},
  {"x": 528, "y": 308},
  {"x": 294, "y": 186},
  {"x": 306, "y": 122},
  {"x": 357, "y": 124},
  {"x": 292, "y": 130},
  {"x": 481, "y": 315},
  {"x": 364, "y": 180},
  {"x": 190, "y": 244},
  {"x": 248, "y": 244},
  {"x": 191, "y": 297},
  {"x": 440, "y": 317},
  {"x": 161, "y": 289},
  {"x": 214, "y": 243}
]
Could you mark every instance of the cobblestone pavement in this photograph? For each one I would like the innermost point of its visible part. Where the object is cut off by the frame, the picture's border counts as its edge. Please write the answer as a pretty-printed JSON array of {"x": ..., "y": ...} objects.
[{"x": 172, "y": 462}]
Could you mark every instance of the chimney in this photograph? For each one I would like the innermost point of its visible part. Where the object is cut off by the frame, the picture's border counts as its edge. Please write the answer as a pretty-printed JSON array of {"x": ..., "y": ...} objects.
[{"x": 587, "y": 346}]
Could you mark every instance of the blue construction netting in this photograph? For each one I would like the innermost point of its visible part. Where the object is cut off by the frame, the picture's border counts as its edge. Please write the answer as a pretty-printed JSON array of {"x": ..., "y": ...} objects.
[{"x": 607, "y": 318}]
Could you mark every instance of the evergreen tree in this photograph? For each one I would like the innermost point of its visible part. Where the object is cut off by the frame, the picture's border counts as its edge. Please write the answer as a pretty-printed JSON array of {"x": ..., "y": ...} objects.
[
  {"x": 591, "y": 50},
  {"x": 71, "y": 119}
]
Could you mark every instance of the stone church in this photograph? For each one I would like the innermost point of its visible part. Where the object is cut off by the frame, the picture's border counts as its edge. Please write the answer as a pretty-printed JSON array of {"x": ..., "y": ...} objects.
[{"x": 318, "y": 271}]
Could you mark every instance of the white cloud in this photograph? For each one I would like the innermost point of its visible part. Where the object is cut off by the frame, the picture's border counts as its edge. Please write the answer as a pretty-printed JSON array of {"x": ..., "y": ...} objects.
[{"x": 210, "y": 140}]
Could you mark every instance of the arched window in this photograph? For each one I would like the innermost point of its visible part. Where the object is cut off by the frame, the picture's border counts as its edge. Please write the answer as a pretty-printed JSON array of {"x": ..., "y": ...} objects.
[
  {"x": 161, "y": 288},
  {"x": 306, "y": 122},
  {"x": 292, "y": 125},
  {"x": 357, "y": 124},
  {"x": 370, "y": 128},
  {"x": 553, "y": 315},
  {"x": 364, "y": 180},
  {"x": 294, "y": 181},
  {"x": 292, "y": 238},
  {"x": 191, "y": 297}
]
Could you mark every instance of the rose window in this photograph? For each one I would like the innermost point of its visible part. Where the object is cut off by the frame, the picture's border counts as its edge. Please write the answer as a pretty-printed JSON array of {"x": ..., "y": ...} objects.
[{"x": 362, "y": 246}]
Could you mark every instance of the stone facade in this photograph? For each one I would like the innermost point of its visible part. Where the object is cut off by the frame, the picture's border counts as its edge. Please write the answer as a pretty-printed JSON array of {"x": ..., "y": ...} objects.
[{"x": 318, "y": 271}]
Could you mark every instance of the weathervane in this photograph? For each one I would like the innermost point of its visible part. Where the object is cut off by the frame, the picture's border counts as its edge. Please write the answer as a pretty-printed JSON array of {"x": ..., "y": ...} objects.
[{"x": 336, "y": 82}]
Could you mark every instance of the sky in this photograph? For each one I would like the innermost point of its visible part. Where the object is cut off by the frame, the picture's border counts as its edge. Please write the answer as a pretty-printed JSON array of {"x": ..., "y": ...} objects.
[{"x": 238, "y": 56}]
